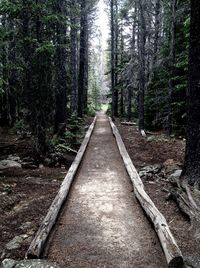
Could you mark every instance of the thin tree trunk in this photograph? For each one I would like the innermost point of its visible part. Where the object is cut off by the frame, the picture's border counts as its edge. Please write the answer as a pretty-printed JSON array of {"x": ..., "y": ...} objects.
[
  {"x": 60, "y": 70},
  {"x": 157, "y": 30},
  {"x": 129, "y": 112},
  {"x": 172, "y": 63},
  {"x": 141, "y": 51},
  {"x": 112, "y": 57},
  {"x": 40, "y": 128},
  {"x": 12, "y": 79},
  {"x": 82, "y": 62},
  {"x": 192, "y": 157},
  {"x": 85, "y": 96},
  {"x": 116, "y": 37},
  {"x": 4, "y": 98},
  {"x": 74, "y": 58}
]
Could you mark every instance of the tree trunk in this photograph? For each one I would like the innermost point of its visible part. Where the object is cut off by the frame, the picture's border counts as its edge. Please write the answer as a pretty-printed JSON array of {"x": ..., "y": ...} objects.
[
  {"x": 27, "y": 54},
  {"x": 85, "y": 95},
  {"x": 74, "y": 57},
  {"x": 192, "y": 157},
  {"x": 116, "y": 37},
  {"x": 129, "y": 103},
  {"x": 38, "y": 110},
  {"x": 172, "y": 63},
  {"x": 112, "y": 57},
  {"x": 141, "y": 51},
  {"x": 157, "y": 30},
  {"x": 82, "y": 62},
  {"x": 4, "y": 110},
  {"x": 60, "y": 69},
  {"x": 12, "y": 78}
]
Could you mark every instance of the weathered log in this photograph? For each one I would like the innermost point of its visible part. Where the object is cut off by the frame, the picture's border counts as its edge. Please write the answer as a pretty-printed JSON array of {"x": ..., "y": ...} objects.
[
  {"x": 171, "y": 250},
  {"x": 67, "y": 148},
  {"x": 128, "y": 123},
  {"x": 38, "y": 242}
]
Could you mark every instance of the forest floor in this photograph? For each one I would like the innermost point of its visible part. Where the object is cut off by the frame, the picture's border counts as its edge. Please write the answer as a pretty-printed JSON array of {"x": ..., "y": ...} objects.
[{"x": 26, "y": 193}]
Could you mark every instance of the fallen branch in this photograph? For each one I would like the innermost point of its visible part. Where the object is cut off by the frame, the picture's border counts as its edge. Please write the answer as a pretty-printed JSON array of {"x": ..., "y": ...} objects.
[
  {"x": 172, "y": 252},
  {"x": 128, "y": 123},
  {"x": 66, "y": 148},
  {"x": 38, "y": 242}
]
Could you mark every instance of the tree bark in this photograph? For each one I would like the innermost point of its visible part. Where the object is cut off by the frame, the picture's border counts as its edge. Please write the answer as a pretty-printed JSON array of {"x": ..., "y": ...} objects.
[
  {"x": 129, "y": 112},
  {"x": 12, "y": 77},
  {"x": 112, "y": 58},
  {"x": 60, "y": 69},
  {"x": 192, "y": 157},
  {"x": 82, "y": 60},
  {"x": 116, "y": 40},
  {"x": 157, "y": 31},
  {"x": 74, "y": 59},
  {"x": 4, "y": 110},
  {"x": 141, "y": 51},
  {"x": 172, "y": 63}
]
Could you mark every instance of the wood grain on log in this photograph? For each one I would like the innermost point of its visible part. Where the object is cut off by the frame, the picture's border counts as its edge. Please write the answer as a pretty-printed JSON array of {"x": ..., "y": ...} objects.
[
  {"x": 128, "y": 123},
  {"x": 38, "y": 242},
  {"x": 171, "y": 250}
]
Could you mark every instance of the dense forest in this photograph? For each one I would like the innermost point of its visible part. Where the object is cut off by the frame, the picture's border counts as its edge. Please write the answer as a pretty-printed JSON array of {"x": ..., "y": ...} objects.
[{"x": 49, "y": 72}]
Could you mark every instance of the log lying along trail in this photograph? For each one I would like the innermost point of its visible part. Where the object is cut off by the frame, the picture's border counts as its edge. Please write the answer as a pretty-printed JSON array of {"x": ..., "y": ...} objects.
[
  {"x": 172, "y": 252},
  {"x": 41, "y": 237}
]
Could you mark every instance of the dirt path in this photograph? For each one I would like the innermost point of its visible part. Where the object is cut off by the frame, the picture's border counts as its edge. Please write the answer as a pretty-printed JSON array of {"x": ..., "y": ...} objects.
[{"x": 102, "y": 225}]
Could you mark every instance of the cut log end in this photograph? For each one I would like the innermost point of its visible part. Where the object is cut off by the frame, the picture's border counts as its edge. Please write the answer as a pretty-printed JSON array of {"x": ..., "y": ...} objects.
[{"x": 176, "y": 262}]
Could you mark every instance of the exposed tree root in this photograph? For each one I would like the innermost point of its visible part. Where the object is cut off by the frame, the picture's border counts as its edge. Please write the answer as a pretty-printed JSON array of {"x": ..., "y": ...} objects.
[{"x": 183, "y": 196}]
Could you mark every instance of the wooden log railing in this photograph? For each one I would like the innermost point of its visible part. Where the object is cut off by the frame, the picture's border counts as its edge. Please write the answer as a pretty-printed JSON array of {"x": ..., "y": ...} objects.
[
  {"x": 37, "y": 245},
  {"x": 171, "y": 250}
]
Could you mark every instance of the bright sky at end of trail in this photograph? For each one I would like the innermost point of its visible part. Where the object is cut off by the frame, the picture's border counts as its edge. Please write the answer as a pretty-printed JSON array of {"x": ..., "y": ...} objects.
[{"x": 102, "y": 22}]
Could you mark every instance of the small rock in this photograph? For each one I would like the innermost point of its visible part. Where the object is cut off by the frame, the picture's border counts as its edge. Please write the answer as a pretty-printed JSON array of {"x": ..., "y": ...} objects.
[
  {"x": 25, "y": 225},
  {"x": 3, "y": 254},
  {"x": 151, "y": 138},
  {"x": 4, "y": 164},
  {"x": 170, "y": 166},
  {"x": 149, "y": 171},
  {"x": 14, "y": 158},
  {"x": 29, "y": 165},
  {"x": 9, "y": 263},
  {"x": 14, "y": 243},
  {"x": 191, "y": 262},
  {"x": 176, "y": 174},
  {"x": 41, "y": 166},
  {"x": 47, "y": 162}
]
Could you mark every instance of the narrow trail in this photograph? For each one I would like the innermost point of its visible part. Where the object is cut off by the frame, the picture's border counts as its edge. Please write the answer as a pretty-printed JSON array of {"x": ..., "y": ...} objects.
[{"x": 102, "y": 224}]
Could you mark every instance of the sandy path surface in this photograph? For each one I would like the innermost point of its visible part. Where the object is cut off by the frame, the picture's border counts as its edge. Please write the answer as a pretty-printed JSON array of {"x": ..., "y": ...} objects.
[{"x": 102, "y": 225}]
